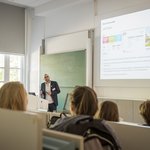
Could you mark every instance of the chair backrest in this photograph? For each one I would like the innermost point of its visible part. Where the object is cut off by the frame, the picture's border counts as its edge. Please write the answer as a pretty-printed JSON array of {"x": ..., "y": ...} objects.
[
  {"x": 76, "y": 139},
  {"x": 66, "y": 100},
  {"x": 51, "y": 143},
  {"x": 45, "y": 118},
  {"x": 132, "y": 136},
  {"x": 66, "y": 103},
  {"x": 20, "y": 130}
]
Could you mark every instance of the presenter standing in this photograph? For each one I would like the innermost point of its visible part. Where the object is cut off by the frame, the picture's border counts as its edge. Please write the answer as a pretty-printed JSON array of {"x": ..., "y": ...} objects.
[{"x": 49, "y": 91}]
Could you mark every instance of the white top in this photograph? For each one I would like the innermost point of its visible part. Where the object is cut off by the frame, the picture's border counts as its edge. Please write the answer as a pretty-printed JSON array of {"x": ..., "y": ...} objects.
[{"x": 48, "y": 91}]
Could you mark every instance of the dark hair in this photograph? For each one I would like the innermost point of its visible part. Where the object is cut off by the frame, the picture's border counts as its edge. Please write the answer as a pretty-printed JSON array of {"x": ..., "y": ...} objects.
[
  {"x": 109, "y": 111},
  {"x": 84, "y": 101},
  {"x": 145, "y": 111}
]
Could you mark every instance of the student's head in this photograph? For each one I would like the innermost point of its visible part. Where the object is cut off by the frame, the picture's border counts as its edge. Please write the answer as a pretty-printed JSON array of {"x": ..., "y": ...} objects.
[
  {"x": 13, "y": 96},
  {"x": 84, "y": 101},
  {"x": 145, "y": 111},
  {"x": 109, "y": 111},
  {"x": 46, "y": 78}
]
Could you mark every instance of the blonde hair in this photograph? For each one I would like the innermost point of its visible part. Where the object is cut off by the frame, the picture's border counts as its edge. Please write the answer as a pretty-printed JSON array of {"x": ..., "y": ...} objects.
[
  {"x": 145, "y": 111},
  {"x": 13, "y": 96},
  {"x": 109, "y": 111},
  {"x": 84, "y": 101}
]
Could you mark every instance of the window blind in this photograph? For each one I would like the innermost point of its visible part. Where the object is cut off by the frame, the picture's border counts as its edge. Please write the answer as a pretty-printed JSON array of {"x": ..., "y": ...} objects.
[{"x": 12, "y": 29}]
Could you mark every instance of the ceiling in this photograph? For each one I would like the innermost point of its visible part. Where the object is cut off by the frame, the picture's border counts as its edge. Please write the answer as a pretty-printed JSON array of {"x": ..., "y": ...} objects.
[
  {"x": 44, "y": 7},
  {"x": 26, "y": 3}
]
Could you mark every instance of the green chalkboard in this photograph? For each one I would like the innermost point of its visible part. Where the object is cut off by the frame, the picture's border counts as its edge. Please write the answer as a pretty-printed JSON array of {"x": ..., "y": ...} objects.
[{"x": 68, "y": 69}]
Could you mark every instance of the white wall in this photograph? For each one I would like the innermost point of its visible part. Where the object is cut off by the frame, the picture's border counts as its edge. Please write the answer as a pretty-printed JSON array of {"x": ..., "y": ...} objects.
[
  {"x": 36, "y": 34},
  {"x": 73, "y": 42},
  {"x": 77, "y": 17},
  {"x": 81, "y": 17}
]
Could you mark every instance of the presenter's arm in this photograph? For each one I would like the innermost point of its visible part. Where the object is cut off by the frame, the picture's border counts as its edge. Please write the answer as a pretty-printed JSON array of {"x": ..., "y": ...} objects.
[
  {"x": 42, "y": 90},
  {"x": 57, "y": 88}
]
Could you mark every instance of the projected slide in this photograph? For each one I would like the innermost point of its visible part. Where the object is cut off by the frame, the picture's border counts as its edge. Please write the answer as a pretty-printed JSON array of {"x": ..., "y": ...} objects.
[{"x": 125, "y": 46}]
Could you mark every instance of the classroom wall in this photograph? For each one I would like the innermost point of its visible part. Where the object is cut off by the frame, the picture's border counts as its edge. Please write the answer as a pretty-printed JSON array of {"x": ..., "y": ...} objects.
[
  {"x": 85, "y": 16},
  {"x": 74, "y": 18},
  {"x": 35, "y": 33},
  {"x": 78, "y": 17}
]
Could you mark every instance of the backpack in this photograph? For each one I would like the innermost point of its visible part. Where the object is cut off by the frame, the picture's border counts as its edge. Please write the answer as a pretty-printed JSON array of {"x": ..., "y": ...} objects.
[
  {"x": 97, "y": 134},
  {"x": 55, "y": 118}
]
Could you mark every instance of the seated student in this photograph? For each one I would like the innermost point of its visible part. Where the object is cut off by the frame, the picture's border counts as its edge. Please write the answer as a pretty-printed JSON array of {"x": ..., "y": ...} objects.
[
  {"x": 83, "y": 107},
  {"x": 145, "y": 111},
  {"x": 83, "y": 101},
  {"x": 109, "y": 111},
  {"x": 13, "y": 96}
]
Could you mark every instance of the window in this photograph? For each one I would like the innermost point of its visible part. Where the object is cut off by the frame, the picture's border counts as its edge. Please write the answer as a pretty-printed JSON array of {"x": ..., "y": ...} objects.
[
  {"x": 11, "y": 68},
  {"x": 1, "y": 69},
  {"x": 15, "y": 68}
]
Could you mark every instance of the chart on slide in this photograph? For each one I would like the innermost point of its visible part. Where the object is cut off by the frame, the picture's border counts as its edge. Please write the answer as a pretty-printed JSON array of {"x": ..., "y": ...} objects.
[{"x": 125, "y": 47}]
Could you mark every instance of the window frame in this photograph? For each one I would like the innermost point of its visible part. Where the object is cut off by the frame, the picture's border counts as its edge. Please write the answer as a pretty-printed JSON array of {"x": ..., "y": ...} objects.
[{"x": 7, "y": 68}]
